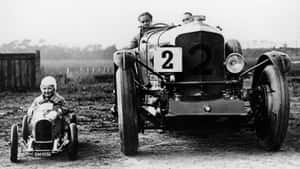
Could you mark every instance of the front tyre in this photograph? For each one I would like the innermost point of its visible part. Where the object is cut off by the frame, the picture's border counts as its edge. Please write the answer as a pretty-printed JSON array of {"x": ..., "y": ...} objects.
[
  {"x": 73, "y": 145},
  {"x": 25, "y": 128},
  {"x": 270, "y": 104},
  {"x": 127, "y": 110}
]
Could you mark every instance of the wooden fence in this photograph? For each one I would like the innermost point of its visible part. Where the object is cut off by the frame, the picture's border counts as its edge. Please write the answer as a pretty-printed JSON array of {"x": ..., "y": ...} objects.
[
  {"x": 83, "y": 71},
  {"x": 19, "y": 71}
]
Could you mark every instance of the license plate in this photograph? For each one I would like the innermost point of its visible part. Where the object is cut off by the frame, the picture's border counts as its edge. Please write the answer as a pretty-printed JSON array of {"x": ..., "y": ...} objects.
[
  {"x": 168, "y": 59},
  {"x": 42, "y": 154}
]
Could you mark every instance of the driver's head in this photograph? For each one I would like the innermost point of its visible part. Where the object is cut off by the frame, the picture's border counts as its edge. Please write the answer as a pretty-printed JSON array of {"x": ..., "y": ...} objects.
[
  {"x": 48, "y": 86},
  {"x": 145, "y": 19},
  {"x": 187, "y": 18}
]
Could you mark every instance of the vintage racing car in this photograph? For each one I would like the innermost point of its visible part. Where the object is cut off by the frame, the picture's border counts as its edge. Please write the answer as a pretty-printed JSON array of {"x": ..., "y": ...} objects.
[
  {"x": 39, "y": 139},
  {"x": 191, "y": 70}
]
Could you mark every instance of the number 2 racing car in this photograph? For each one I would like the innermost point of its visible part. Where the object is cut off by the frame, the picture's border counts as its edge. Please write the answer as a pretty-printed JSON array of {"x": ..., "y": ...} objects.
[{"x": 191, "y": 70}]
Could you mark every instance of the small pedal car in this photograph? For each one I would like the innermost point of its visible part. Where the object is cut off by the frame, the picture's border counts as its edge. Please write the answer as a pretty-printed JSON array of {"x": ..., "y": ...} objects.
[{"x": 39, "y": 137}]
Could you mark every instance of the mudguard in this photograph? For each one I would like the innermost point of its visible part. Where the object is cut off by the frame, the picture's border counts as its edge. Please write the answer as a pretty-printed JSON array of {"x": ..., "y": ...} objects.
[
  {"x": 124, "y": 58},
  {"x": 279, "y": 59}
]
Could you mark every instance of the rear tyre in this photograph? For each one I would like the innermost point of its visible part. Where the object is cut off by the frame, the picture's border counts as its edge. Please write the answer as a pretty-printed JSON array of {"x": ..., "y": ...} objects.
[
  {"x": 127, "y": 110},
  {"x": 14, "y": 144},
  {"x": 271, "y": 107},
  {"x": 233, "y": 46},
  {"x": 25, "y": 128},
  {"x": 73, "y": 145}
]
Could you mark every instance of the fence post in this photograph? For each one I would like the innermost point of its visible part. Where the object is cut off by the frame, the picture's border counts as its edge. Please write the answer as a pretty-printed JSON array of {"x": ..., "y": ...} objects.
[
  {"x": 37, "y": 69},
  {"x": 5, "y": 66}
]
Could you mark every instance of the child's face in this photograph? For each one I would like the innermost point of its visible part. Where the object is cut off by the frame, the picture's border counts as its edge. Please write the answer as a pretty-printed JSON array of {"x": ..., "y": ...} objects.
[
  {"x": 145, "y": 21},
  {"x": 187, "y": 19},
  {"x": 47, "y": 91}
]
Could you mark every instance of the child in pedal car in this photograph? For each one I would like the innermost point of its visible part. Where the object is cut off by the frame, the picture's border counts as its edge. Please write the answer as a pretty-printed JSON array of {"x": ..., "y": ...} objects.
[{"x": 38, "y": 111}]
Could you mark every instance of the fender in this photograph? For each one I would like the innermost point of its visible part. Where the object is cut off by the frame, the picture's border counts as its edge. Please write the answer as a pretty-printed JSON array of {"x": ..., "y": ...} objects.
[
  {"x": 130, "y": 59},
  {"x": 124, "y": 59},
  {"x": 279, "y": 59}
]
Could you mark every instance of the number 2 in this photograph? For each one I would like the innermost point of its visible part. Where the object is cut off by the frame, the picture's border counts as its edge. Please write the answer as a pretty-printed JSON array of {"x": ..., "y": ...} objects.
[{"x": 169, "y": 55}]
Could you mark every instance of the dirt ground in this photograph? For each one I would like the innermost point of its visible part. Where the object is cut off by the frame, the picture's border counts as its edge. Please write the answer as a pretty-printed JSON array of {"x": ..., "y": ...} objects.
[{"x": 99, "y": 146}]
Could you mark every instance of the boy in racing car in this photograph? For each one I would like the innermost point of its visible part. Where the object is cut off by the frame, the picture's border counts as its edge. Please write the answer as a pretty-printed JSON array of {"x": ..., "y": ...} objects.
[
  {"x": 145, "y": 21},
  {"x": 48, "y": 95},
  {"x": 187, "y": 17}
]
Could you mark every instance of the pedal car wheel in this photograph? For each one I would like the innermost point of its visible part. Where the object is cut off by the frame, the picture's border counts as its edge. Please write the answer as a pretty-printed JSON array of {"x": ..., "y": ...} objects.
[
  {"x": 271, "y": 107},
  {"x": 73, "y": 145},
  {"x": 14, "y": 143},
  {"x": 25, "y": 129},
  {"x": 127, "y": 110}
]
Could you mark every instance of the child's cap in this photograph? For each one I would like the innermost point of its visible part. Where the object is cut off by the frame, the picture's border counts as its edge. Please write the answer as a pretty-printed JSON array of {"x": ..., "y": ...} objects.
[{"x": 49, "y": 80}]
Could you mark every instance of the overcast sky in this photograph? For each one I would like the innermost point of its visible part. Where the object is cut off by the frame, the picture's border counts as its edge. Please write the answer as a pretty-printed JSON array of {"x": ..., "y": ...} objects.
[{"x": 82, "y": 22}]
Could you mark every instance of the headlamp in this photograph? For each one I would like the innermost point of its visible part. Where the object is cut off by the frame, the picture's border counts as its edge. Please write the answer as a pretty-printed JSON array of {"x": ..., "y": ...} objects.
[{"x": 235, "y": 63}]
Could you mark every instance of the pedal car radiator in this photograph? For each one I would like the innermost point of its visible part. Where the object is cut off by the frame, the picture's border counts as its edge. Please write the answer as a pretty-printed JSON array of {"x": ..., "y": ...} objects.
[{"x": 43, "y": 130}]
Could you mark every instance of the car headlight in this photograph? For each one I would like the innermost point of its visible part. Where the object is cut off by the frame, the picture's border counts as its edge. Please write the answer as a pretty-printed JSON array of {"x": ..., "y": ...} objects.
[{"x": 235, "y": 63}]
